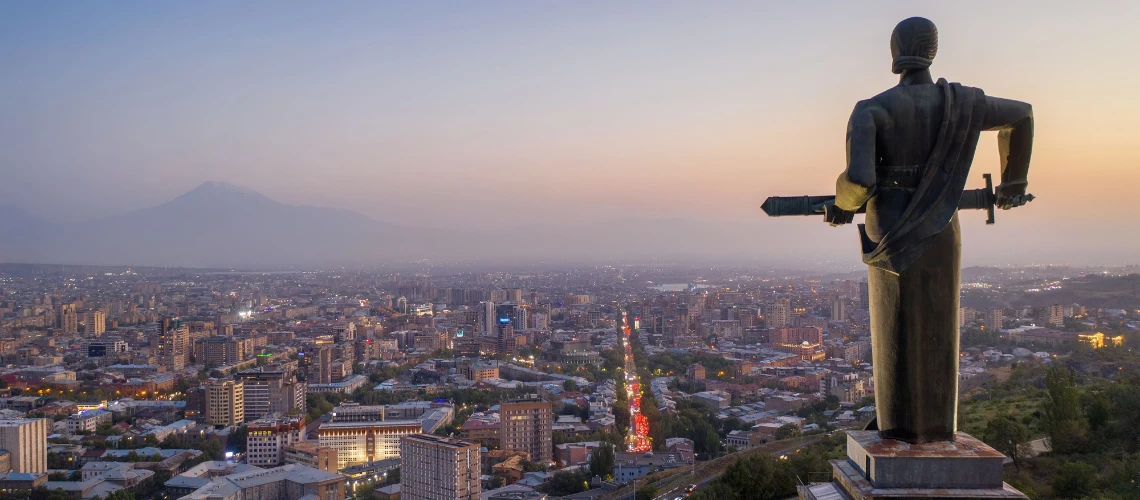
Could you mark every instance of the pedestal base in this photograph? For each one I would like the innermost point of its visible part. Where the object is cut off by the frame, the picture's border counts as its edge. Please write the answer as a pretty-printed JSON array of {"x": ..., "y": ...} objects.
[{"x": 878, "y": 468}]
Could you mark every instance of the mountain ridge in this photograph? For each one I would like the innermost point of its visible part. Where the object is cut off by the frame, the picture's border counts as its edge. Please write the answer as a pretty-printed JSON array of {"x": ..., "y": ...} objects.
[{"x": 217, "y": 224}]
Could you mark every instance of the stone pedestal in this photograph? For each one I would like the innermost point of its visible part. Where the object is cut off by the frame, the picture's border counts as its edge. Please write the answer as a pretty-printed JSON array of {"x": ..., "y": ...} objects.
[{"x": 878, "y": 468}]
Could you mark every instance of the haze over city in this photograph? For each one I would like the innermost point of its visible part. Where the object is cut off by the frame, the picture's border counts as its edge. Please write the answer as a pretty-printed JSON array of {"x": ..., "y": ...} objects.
[
  {"x": 577, "y": 250},
  {"x": 522, "y": 129}
]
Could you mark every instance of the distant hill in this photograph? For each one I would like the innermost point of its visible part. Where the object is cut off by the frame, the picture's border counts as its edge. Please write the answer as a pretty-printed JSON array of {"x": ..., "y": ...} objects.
[
  {"x": 214, "y": 224},
  {"x": 222, "y": 225}
]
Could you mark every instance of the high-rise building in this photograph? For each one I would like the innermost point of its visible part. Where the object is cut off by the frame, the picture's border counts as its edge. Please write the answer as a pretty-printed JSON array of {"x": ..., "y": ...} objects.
[
  {"x": 94, "y": 323},
  {"x": 505, "y": 329},
  {"x": 220, "y": 350},
  {"x": 966, "y": 316},
  {"x": 344, "y": 332},
  {"x": 439, "y": 468},
  {"x": 527, "y": 425},
  {"x": 1051, "y": 316},
  {"x": 489, "y": 318},
  {"x": 521, "y": 318},
  {"x": 173, "y": 340},
  {"x": 225, "y": 402},
  {"x": 322, "y": 366},
  {"x": 68, "y": 320},
  {"x": 864, "y": 296},
  {"x": 26, "y": 441},
  {"x": 267, "y": 438},
  {"x": 993, "y": 319},
  {"x": 360, "y": 442},
  {"x": 779, "y": 314},
  {"x": 271, "y": 392},
  {"x": 838, "y": 309}
]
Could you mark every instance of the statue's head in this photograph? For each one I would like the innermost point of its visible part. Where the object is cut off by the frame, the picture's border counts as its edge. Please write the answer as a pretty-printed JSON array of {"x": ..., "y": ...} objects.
[{"x": 913, "y": 44}]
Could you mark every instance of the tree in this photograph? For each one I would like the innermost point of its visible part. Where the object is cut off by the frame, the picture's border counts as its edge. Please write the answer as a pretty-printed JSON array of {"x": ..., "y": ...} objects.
[
  {"x": 758, "y": 476},
  {"x": 1098, "y": 413},
  {"x": 236, "y": 440},
  {"x": 647, "y": 492},
  {"x": 393, "y": 477},
  {"x": 602, "y": 461},
  {"x": 787, "y": 431},
  {"x": 1009, "y": 437},
  {"x": 1074, "y": 480},
  {"x": 1063, "y": 418},
  {"x": 621, "y": 414},
  {"x": 566, "y": 483},
  {"x": 570, "y": 386}
]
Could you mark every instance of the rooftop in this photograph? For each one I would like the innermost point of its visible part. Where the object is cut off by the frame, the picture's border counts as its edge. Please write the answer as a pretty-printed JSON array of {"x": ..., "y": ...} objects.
[
  {"x": 16, "y": 422},
  {"x": 441, "y": 440}
]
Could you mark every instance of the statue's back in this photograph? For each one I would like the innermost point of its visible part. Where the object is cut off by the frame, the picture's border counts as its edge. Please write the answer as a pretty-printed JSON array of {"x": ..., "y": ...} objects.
[{"x": 907, "y": 121}]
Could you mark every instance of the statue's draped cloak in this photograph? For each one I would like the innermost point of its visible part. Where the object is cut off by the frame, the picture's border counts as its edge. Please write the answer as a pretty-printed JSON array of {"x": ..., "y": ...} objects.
[{"x": 935, "y": 199}]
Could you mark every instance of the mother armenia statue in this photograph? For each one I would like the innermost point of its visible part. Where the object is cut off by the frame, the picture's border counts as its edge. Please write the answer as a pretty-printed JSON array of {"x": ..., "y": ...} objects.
[{"x": 909, "y": 151}]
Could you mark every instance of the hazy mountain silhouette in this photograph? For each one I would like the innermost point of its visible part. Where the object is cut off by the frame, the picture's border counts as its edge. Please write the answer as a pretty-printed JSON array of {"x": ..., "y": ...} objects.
[{"x": 222, "y": 225}]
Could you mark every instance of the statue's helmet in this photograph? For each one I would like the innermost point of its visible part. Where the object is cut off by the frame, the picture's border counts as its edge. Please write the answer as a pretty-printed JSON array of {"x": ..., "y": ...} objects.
[{"x": 913, "y": 44}]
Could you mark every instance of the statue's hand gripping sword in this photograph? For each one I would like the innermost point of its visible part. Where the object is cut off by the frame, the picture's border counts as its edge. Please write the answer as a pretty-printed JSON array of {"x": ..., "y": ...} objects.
[{"x": 972, "y": 199}]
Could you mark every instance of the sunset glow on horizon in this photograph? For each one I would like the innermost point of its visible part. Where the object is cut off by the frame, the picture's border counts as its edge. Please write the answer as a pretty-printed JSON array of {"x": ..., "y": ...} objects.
[{"x": 517, "y": 113}]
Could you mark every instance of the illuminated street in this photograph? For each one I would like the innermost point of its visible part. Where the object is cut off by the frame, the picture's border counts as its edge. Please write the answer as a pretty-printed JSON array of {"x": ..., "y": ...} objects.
[{"x": 637, "y": 438}]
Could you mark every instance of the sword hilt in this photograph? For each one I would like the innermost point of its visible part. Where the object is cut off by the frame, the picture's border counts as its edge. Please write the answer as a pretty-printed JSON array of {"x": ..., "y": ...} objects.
[{"x": 986, "y": 199}]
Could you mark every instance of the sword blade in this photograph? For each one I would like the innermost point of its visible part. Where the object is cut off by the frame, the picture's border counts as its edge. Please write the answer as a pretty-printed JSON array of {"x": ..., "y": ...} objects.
[{"x": 780, "y": 206}]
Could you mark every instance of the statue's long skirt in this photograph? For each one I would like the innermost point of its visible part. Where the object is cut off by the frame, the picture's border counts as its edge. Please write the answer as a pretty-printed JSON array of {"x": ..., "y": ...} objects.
[{"x": 914, "y": 335}]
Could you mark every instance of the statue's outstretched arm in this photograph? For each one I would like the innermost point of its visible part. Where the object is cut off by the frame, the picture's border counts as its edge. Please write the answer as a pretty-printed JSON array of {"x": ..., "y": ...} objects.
[{"x": 1014, "y": 122}]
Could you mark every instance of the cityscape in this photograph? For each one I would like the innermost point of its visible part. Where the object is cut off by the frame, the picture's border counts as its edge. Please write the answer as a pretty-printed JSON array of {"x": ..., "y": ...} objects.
[
  {"x": 600, "y": 382},
  {"x": 506, "y": 250}
]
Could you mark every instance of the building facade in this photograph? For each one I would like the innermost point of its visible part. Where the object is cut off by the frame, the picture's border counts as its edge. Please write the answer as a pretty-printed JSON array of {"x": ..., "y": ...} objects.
[
  {"x": 87, "y": 421},
  {"x": 26, "y": 440},
  {"x": 225, "y": 402},
  {"x": 361, "y": 442},
  {"x": 94, "y": 323},
  {"x": 173, "y": 342},
  {"x": 311, "y": 455},
  {"x": 993, "y": 320},
  {"x": 438, "y": 468},
  {"x": 267, "y": 438},
  {"x": 527, "y": 425},
  {"x": 271, "y": 392}
]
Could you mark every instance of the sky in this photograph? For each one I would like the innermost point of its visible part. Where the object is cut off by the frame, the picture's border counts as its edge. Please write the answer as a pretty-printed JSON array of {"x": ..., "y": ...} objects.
[{"x": 447, "y": 114}]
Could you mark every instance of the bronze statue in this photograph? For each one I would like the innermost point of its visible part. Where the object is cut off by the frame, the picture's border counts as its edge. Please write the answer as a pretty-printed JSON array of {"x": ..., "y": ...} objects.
[{"x": 909, "y": 151}]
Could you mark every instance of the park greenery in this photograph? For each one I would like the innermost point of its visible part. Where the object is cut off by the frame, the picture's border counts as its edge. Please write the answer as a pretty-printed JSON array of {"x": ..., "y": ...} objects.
[
  {"x": 758, "y": 476},
  {"x": 1083, "y": 405}
]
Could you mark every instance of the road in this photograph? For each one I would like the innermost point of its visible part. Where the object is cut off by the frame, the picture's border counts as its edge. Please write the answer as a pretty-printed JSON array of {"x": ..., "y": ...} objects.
[{"x": 637, "y": 438}]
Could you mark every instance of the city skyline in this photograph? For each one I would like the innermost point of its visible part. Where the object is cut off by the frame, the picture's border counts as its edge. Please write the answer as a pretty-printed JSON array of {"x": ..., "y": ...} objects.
[{"x": 438, "y": 117}]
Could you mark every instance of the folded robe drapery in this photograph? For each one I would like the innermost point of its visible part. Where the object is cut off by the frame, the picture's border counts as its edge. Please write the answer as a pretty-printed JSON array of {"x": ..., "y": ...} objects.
[{"x": 935, "y": 199}]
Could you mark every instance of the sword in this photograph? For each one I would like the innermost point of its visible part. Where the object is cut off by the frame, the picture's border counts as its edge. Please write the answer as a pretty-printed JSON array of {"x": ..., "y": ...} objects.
[{"x": 972, "y": 199}]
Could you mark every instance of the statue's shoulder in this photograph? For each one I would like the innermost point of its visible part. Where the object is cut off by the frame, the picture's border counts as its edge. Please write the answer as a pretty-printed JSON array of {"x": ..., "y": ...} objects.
[{"x": 906, "y": 96}]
